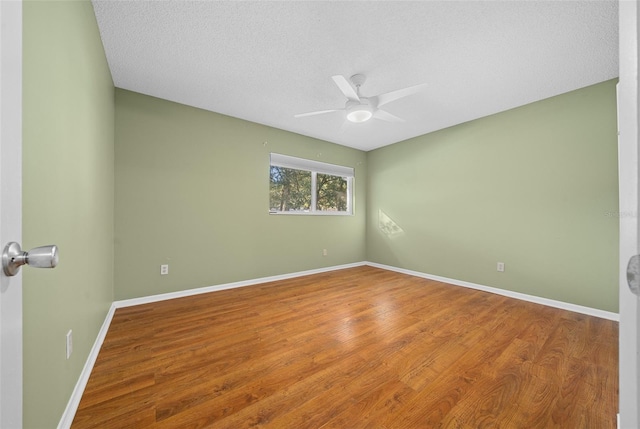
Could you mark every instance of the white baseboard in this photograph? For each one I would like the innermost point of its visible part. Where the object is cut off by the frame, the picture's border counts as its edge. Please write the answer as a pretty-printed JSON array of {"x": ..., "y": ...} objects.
[
  {"x": 74, "y": 401},
  {"x": 207, "y": 289},
  {"x": 78, "y": 390},
  {"x": 530, "y": 298}
]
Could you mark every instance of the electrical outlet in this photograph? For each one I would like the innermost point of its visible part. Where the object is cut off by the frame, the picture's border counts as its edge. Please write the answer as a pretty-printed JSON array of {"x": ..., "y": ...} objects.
[
  {"x": 501, "y": 267},
  {"x": 324, "y": 252},
  {"x": 69, "y": 343},
  {"x": 164, "y": 270}
]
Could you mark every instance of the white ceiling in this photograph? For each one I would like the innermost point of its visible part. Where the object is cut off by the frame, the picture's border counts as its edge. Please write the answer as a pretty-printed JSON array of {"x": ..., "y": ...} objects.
[{"x": 265, "y": 61}]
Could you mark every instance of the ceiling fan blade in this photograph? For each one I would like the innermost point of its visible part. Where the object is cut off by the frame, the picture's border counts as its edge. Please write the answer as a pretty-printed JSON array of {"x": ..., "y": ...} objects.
[
  {"x": 386, "y": 116},
  {"x": 346, "y": 87},
  {"x": 319, "y": 112},
  {"x": 388, "y": 97}
]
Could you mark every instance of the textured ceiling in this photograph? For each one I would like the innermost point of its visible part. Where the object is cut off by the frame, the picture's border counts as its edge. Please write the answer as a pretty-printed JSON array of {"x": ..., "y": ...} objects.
[{"x": 265, "y": 61}]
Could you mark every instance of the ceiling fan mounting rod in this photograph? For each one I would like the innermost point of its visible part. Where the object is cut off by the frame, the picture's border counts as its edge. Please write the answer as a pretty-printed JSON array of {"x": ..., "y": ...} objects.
[{"x": 357, "y": 80}]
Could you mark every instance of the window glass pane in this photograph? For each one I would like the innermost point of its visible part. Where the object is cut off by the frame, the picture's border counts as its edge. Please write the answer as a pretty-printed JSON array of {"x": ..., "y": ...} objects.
[
  {"x": 290, "y": 190},
  {"x": 332, "y": 193}
]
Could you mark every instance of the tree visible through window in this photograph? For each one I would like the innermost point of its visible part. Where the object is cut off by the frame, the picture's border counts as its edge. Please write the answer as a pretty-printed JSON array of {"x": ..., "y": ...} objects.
[
  {"x": 331, "y": 193},
  {"x": 290, "y": 190},
  {"x": 304, "y": 186}
]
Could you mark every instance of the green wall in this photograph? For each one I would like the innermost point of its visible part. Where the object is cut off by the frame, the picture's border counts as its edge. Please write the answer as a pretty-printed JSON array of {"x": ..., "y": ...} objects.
[
  {"x": 192, "y": 190},
  {"x": 68, "y": 185},
  {"x": 534, "y": 187}
]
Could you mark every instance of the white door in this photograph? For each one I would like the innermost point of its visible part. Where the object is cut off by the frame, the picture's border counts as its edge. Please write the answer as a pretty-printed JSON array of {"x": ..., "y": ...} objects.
[
  {"x": 10, "y": 210},
  {"x": 628, "y": 109}
]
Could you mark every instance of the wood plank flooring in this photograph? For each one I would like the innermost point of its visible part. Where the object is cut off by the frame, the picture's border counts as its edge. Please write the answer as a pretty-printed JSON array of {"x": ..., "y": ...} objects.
[{"x": 355, "y": 348}]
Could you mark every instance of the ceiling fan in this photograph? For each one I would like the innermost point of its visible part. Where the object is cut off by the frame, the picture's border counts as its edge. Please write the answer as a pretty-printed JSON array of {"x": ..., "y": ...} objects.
[{"x": 361, "y": 109}]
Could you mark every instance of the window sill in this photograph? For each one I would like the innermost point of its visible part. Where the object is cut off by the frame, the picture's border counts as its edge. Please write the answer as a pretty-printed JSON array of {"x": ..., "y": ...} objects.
[{"x": 316, "y": 213}]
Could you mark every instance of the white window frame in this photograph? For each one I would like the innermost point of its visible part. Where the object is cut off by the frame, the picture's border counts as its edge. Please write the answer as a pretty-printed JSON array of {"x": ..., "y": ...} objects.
[{"x": 315, "y": 167}]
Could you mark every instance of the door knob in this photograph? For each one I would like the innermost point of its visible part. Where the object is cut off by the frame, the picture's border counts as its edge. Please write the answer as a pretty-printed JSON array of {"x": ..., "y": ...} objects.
[
  {"x": 40, "y": 257},
  {"x": 633, "y": 274}
]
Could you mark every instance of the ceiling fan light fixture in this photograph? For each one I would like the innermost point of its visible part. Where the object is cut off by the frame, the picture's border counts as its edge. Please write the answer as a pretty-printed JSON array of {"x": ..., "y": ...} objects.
[{"x": 359, "y": 113}]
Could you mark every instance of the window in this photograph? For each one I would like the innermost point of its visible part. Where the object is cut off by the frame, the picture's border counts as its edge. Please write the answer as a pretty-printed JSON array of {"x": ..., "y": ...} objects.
[{"x": 302, "y": 186}]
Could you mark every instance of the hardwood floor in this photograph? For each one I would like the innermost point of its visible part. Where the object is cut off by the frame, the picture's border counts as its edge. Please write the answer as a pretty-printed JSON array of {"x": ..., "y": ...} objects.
[{"x": 355, "y": 348}]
